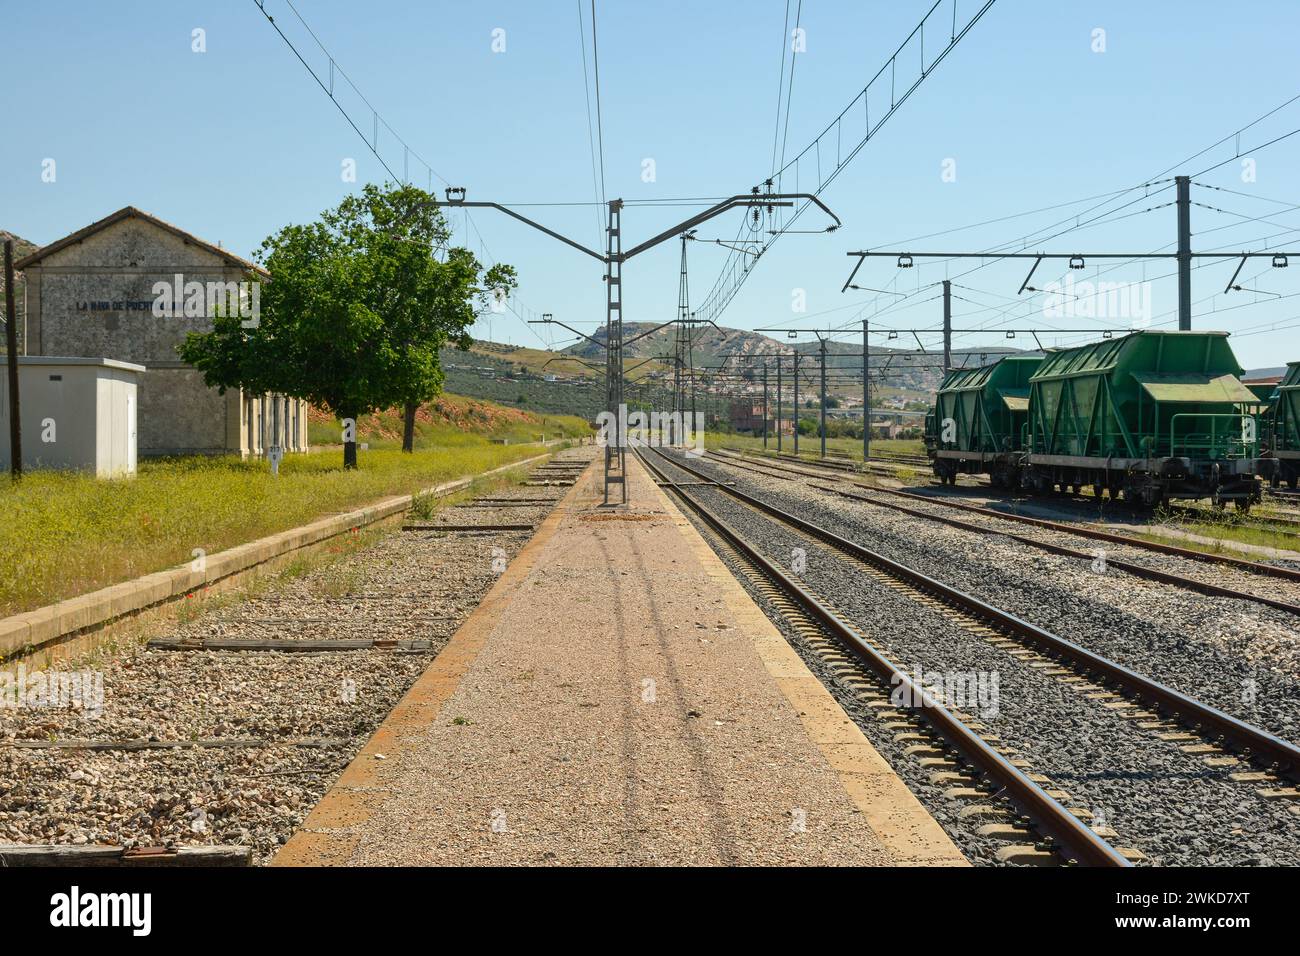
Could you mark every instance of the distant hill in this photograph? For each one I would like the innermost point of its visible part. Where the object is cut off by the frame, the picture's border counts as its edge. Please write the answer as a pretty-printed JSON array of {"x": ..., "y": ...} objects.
[
  {"x": 904, "y": 371},
  {"x": 708, "y": 347}
]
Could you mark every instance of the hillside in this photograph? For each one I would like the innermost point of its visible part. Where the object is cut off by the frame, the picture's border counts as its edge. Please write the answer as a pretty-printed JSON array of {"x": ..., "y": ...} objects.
[
  {"x": 906, "y": 373},
  {"x": 528, "y": 379},
  {"x": 449, "y": 420},
  {"x": 709, "y": 345}
]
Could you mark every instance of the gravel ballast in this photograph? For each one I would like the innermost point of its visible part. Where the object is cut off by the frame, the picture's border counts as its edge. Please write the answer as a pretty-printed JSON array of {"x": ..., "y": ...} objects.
[
  {"x": 395, "y": 586},
  {"x": 1166, "y": 803}
]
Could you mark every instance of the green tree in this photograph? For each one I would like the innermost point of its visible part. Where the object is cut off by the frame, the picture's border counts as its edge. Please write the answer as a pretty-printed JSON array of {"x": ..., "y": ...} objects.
[
  {"x": 356, "y": 310},
  {"x": 462, "y": 290}
]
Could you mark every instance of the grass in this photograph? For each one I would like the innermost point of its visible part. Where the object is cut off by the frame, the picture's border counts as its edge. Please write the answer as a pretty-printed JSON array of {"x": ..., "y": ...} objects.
[
  {"x": 810, "y": 445},
  {"x": 1228, "y": 529},
  {"x": 69, "y": 533}
]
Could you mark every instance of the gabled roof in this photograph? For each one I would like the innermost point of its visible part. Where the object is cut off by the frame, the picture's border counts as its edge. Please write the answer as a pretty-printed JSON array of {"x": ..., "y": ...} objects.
[
  {"x": 130, "y": 212},
  {"x": 976, "y": 377},
  {"x": 1105, "y": 356}
]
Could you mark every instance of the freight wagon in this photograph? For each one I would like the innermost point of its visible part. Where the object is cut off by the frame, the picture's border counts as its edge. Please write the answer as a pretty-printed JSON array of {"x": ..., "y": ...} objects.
[
  {"x": 1285, "y": 431},
  {"x": 1151, "y": 416},
  {"x": 979, "y": 421}
]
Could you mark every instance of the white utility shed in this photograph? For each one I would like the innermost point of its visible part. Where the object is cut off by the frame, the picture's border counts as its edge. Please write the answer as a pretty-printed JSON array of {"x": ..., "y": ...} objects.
[{"x": 77, "y": 413}]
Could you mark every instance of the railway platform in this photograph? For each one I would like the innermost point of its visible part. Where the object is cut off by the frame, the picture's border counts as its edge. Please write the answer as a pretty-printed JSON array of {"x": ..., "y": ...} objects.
[{"x": 618, "y": 699}]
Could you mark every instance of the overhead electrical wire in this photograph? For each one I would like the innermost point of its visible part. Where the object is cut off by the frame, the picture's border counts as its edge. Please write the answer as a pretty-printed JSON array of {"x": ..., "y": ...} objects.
[
  {"x": 372, "y": 144},
  {"x": 780, "y": 83},
  {"x": 335, "y": 68},
  {"x": 789, "y": 89},
  {"x": 591, "y": 138},
  {"x": 600, "y": 126},
  {"x": 1036, "y": 236},
  {"x": 730, "y": 280}
]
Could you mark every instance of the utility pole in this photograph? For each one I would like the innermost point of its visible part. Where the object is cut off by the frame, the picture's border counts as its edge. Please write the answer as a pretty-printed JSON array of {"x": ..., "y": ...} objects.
[
  {"x": 778, "y": 404},
  {"x": 11, "y": 349},
  {"x": 947, "y": 325},
  {"x": 613, "y": 258},
  {"x": 690, "y": 354},
  {"x": 616, "y": 456},
  {"x": 681, "y": 343},
  {"x": 823, "y": 415},
  {"x": 1183, "y": 185},
  {"x": 764, "y": 406},
  {"x": 866, "y": 395},
  {"x": 796, "y": 402}
]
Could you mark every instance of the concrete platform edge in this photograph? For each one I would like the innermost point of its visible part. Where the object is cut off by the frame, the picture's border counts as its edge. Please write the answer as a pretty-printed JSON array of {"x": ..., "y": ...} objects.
[
  {"x": 904, "y": 827},
  {"x": 324, "y": 838},
  {"x": 28, "y": 632}
]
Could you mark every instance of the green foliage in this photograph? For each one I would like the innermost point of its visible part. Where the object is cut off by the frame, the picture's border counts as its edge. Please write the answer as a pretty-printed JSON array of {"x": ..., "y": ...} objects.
[
  {"x": 424, "y": 506},
  {"x": 357, "y": 310}
]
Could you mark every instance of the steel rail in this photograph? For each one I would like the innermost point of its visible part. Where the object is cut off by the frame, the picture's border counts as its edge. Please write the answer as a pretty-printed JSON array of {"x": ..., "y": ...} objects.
[
  {"x": 1254, "y": 741},
  {"x": 1151, "y": 574},
  {"x": 1138, "y": 570},
  {"x": 1254, "y": 567},
  {"x": 1077, "y": 842}
]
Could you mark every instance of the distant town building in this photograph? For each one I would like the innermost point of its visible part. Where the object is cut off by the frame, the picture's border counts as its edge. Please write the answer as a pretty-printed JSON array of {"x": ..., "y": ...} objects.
[
  {"x": 92, "y": 294},
  {"x": 748, "y": 417},
  {"x": 1263, "y": 386}
]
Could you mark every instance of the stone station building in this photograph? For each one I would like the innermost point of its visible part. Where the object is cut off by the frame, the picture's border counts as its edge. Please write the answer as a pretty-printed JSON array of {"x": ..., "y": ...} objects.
[{"x": 91, "y": 294}]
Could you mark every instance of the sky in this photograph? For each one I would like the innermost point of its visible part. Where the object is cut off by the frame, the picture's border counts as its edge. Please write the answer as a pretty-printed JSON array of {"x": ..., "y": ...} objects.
[{"x": 202, "y": 114}]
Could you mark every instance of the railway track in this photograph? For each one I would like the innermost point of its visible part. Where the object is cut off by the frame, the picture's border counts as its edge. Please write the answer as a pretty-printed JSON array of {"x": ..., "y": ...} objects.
[
  {"x": 1285, "y": 525},
  {"x": 878, "y": 466},
  {"x": 1074, "y": 840},
  {"x": 1195, "y": 727},
  {"x": 1097, "y": 534}
]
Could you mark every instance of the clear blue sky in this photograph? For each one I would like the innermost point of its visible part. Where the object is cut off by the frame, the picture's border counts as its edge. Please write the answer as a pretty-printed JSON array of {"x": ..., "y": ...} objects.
[{"x": 233, "y": 143}]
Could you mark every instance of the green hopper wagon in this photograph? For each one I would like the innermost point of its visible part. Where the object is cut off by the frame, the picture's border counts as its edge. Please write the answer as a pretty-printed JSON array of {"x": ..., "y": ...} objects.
[
  {"x": 1286, "y": 426},
  {"x": 1154, "y": 415},
  {"x": 980, "y": 421}
]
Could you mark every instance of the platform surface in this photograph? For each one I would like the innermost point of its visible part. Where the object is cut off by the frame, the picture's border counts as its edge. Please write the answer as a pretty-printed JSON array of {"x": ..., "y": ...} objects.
[{"x": 618, "y": 699}]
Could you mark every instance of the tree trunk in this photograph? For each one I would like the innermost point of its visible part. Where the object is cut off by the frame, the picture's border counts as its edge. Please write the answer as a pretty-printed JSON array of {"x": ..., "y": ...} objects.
[
  {"x": 349, "y": 447},
  {"x": 408, "y": 427}
]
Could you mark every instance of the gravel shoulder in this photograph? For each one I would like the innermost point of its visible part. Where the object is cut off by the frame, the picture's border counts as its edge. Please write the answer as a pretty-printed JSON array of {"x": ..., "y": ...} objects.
[{"x": 305, "y": 712}]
